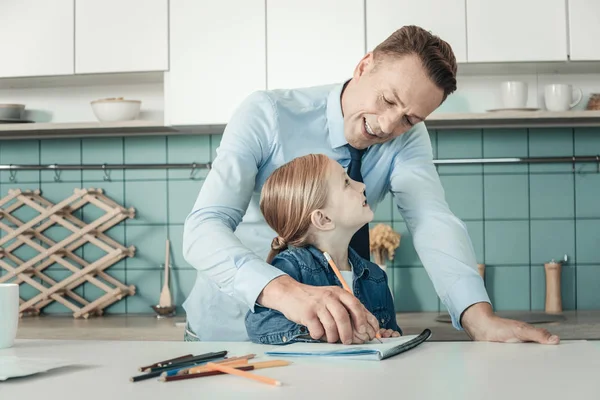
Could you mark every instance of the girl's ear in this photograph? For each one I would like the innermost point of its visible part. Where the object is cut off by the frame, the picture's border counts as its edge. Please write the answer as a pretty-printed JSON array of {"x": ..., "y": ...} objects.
[{"x": 321, "y": 221}]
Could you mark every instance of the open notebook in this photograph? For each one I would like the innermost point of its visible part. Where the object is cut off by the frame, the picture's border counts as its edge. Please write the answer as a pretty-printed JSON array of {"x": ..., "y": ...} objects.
[{"x": 373, "y": 350}]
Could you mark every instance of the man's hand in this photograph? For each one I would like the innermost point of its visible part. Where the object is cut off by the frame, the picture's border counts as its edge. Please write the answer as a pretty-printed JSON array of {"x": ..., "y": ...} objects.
[
  {"x": 327, "y": 311},
  {"x": 481, "y": 324}
]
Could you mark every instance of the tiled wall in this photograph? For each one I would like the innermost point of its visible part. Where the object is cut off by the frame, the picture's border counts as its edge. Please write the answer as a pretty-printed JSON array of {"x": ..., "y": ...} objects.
[
  {"x": 519, "y": 216},
  {"x": 161, "y": 198}
]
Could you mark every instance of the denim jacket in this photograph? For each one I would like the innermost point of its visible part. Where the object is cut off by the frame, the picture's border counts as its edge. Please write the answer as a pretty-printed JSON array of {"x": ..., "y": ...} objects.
[{"x": 308, "y": 265}]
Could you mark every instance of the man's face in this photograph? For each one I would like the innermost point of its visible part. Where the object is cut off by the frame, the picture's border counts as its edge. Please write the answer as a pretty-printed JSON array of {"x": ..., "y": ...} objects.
[{"x": 379, "y": 104}]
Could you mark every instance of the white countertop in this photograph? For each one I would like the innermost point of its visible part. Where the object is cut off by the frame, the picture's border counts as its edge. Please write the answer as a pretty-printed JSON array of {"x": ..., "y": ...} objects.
[{"x": 434, "y": 370}]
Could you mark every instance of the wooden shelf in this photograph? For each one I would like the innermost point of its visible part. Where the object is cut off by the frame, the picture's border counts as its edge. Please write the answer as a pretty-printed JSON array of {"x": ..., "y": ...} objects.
[
  {"x": 513, "y": 119},
  {"x": 441, "y": 121}
]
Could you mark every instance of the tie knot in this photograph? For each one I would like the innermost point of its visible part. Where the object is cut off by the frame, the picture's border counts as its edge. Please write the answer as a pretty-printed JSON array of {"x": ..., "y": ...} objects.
[{"x": 356, "y": 154}]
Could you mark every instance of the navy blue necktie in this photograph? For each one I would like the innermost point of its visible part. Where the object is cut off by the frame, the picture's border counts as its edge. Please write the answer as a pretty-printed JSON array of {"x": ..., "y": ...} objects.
[{"x": 360, "y": 240}]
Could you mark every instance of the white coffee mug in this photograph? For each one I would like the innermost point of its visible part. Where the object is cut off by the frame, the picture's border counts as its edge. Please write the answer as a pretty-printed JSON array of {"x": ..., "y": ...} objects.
[
  {"x": 514, "y": 94},
  {"x": 559, "y": 97},
  {"x": 9, "y": 314}
]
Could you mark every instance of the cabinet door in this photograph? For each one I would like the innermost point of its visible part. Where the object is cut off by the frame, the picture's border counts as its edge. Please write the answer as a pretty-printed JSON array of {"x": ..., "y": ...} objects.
[
  {"x": 217, "y": 58},
  {"x": 36, "y": 37},
  {"x": 121, "y": 35},
  {"x": 584, "y": 30},
  {"x": 313, "y": 42},
  {"x": 444, "y": 18},
  {"x": 516, "y": 30}
]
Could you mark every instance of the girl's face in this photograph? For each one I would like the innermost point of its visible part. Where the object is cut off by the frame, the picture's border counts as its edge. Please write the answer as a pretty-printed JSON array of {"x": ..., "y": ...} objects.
[{"x": 346, "y": 204}]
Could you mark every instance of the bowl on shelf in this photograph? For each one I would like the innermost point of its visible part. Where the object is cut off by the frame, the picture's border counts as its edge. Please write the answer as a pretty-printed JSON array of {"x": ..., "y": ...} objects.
[
  {"x": 116, "y": 109},
  {"x": 12, "y": 113},
  {"x": 164, "y": 312}
]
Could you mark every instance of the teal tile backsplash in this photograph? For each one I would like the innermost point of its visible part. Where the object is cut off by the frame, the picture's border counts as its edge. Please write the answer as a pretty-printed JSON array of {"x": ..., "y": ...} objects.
[{"x": 518, "y": 216}]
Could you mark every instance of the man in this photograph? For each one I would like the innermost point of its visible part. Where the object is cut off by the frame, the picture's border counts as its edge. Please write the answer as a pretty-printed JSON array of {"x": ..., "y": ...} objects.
[{"x": 372, "y": 125}]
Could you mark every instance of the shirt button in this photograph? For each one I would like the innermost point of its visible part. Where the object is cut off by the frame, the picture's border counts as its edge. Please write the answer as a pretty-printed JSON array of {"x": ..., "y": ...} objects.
[
  {"x": 302, "y": 329},
  {"x": 284, "y": 339},
  {"x": 382, "y": 320}
]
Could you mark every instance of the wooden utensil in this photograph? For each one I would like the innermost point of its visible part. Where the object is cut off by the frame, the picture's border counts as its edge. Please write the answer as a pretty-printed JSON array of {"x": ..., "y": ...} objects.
[{"x": 165, "y": 294}]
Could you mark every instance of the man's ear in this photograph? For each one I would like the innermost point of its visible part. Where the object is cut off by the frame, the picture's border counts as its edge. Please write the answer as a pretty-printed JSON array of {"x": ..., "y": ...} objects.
[
  {"x": 321, "y": 221},
  {"x": 365, "y": 64}
]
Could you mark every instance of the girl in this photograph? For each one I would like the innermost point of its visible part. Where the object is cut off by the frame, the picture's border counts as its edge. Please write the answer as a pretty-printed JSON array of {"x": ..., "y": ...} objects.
[{"x": 314, "y": 207}]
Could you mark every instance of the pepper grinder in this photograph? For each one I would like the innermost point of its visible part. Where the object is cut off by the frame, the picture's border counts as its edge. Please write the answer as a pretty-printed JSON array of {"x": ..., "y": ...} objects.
[{"x": 553, "y": 296}]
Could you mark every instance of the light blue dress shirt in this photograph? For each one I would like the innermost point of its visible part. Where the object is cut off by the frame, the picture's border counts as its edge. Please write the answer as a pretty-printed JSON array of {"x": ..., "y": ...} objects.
[{"x": 227, "y": 240}]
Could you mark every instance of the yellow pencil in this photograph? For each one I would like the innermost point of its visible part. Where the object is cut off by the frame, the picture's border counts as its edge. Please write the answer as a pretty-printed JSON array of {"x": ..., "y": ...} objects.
[
  {"x": 202, "y": 368},
  {"x": 229, "y": 370},
  {"x": 337, "y": 273}
]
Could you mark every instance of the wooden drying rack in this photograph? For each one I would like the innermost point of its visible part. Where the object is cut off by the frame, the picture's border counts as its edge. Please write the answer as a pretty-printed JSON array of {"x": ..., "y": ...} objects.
[{"x": 33, "y": 234}]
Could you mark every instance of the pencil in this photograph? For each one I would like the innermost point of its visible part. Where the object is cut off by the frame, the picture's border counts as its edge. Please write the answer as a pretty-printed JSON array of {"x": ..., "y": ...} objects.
[
  {"x": 165, "y": 370},
  {"x": 204, "y": 368},
  {"x": 243, "y": 374},
  {"x": 201, "y": 368},
  {"x": 190, "y": 362},
  {"x": 186, "y": 363},
  {"x": 201, "y": 374},
  {"x": 248, "y": 367},
  {"x": 337, "y": 273},
  {"x": 165, "y": 362},
  {"x": 198, "y": 367}
]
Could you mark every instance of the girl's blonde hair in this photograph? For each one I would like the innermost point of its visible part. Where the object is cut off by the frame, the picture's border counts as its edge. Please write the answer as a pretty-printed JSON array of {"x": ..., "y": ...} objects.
[{"x": 290, "y": 194}]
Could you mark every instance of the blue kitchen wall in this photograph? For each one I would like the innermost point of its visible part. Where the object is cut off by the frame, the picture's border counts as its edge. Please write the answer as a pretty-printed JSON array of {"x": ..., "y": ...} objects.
[{"x": 519, "y": 216}]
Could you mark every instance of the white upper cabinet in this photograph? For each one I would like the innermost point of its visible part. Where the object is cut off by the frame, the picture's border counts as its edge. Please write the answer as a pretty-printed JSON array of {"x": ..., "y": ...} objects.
[
  {"x": 584, "y": 30},
  {"x": 217, "y": 58},
  {"x": 516, "y": 30},
  {"x": 36, "y": 37},
  {"x": 121, "y": 36},
  {"x": 444, "y": 18},
  {"x": 313, "y": 42}
]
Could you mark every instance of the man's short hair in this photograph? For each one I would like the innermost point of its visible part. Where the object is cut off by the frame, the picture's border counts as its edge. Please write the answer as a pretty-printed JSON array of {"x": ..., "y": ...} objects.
[{"x": 435, "y": 54}]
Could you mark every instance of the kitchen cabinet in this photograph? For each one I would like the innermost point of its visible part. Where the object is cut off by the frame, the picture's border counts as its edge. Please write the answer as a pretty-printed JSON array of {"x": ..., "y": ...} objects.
[
  {"x": 313, "y": 42},
  {"x": 36, "y": 37},
  {"x": 584, "y": 30},
  {"x": 217, "y": 58},
  {"x": 516, "y": 30},
  {"x": 444, "y": 18},
  {"x": 121, "y": 36}
]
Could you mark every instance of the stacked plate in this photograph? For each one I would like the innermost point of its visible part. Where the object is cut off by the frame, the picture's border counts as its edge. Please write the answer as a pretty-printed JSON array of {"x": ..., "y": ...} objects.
[{"x": 12, "y": 114}]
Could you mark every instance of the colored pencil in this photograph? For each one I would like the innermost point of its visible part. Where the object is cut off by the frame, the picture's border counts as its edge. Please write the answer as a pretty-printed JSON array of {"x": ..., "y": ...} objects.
[
  {"x": 187, "y": 370},
  {"x": 337, "y": 273},
  {"x": 165, "y": 362},
  {"x": 249, "y": 367},
  {"x": 226, "y": 361},
  {"x": 243, "y": 374},
  {"x": 190, "y": 361},
  {"x": 186, "y": 363},
  {"x": 201, "y": 374},
  {"x": 168, "y": 369}
]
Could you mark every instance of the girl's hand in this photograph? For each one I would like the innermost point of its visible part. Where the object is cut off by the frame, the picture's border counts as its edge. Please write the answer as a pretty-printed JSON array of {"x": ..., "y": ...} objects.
[{"x": 387, "y": 333}]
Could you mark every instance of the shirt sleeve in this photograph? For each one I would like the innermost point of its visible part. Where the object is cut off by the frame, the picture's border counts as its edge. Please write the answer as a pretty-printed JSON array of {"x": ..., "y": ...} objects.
[
  {"x": 440, "y": 238},
  {"x": 209, "y": 242},
  {"x": 268, "y": 326}
]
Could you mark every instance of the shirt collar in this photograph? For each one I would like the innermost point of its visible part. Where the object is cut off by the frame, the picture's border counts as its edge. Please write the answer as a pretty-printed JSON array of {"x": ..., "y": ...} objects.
[
  {"x": 359, "y": 266},
  {"x": 335, "y": 118}
]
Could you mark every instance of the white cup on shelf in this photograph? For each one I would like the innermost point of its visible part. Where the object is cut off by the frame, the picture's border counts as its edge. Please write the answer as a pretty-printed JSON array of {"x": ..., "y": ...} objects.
[
  {"x": 559, "y": 96},
  {"x": 9, "y": 314},
  {"x": 514, "y": 94}
]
